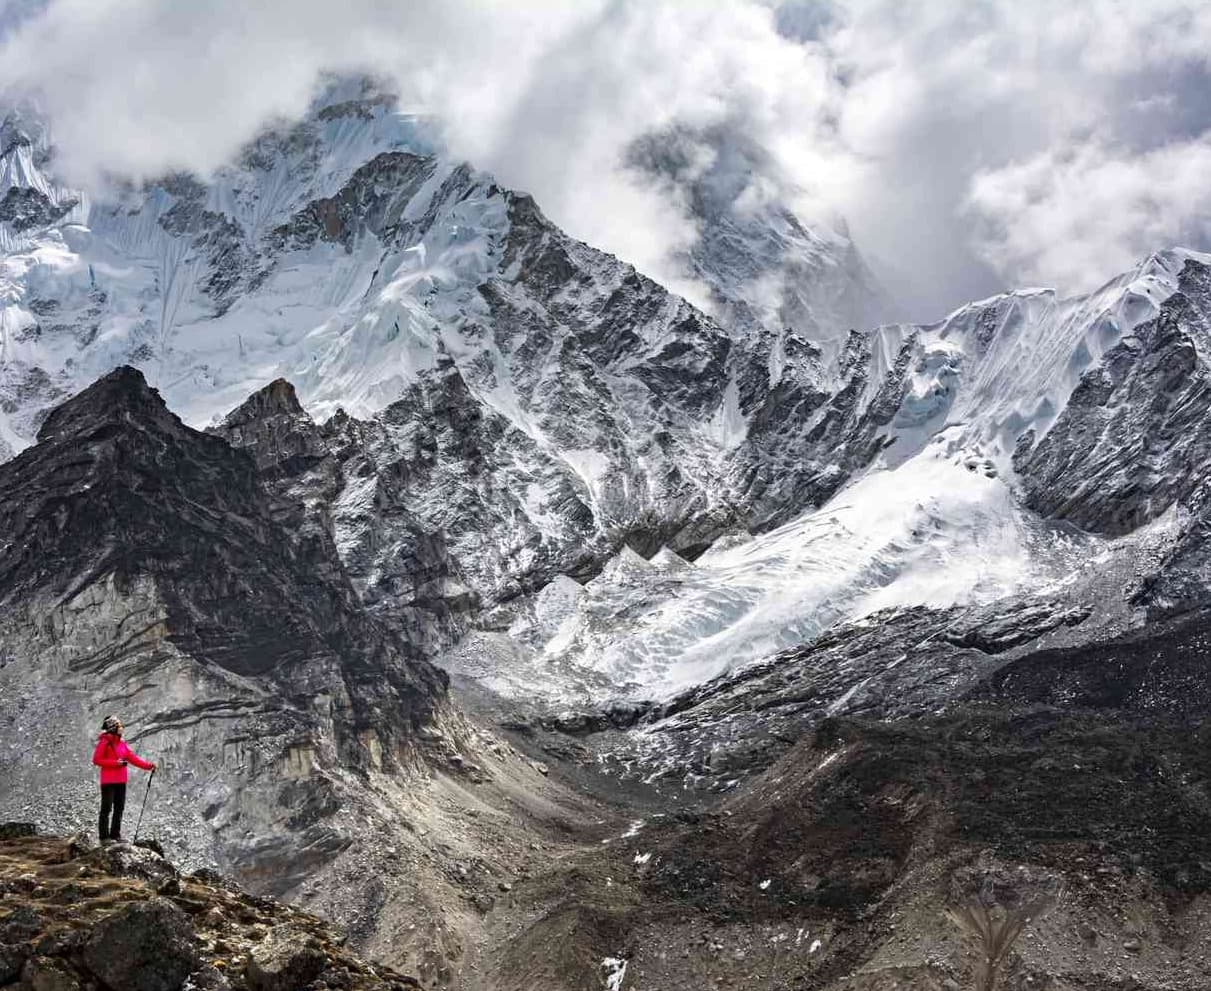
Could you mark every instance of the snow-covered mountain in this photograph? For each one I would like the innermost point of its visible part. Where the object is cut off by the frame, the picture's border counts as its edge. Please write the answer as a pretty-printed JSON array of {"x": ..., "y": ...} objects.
[
  {"x": 768, "y": 272},
  {"x": 1005, "y": 423},
  {"x": 413, "y": 293},
  {"x": 481, "y": 409}
]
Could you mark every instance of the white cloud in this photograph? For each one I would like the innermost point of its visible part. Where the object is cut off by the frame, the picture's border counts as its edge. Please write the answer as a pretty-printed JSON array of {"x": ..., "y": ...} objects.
[
  {"x": 632, "y": 69},
  {"x": 140, "y": 86},
  {"x": 941, "y": 95},
  {"x": 1080, "y": 215},
  {"x": 922, "y": 122}
]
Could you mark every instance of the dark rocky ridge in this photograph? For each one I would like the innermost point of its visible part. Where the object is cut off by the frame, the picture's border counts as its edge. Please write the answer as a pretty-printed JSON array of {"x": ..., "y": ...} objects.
[
  {"x": 25, "y": 209},
  {"x": 1134, "y": 438},
  {"x": 119, "y": 488},
  {"x": 402, "y": 572},
  {"x": 146, "y": 568},
  {"x": 373, "y": 199}
]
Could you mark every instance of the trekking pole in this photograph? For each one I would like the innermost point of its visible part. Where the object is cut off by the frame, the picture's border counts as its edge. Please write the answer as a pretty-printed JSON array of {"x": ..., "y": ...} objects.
[{"x": 144, "y": 809}]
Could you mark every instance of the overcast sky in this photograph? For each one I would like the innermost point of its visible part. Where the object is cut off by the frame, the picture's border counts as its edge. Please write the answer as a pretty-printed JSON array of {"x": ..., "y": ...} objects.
[{"x": 971, "y": 146}]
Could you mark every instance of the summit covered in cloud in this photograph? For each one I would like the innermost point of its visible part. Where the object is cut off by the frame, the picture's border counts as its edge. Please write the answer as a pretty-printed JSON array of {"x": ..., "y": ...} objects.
[{"x": 952, "y": 140}]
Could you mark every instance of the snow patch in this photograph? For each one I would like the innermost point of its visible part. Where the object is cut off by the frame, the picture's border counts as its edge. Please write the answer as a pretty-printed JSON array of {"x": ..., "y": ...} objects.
[{"x": 615, "y": 972}]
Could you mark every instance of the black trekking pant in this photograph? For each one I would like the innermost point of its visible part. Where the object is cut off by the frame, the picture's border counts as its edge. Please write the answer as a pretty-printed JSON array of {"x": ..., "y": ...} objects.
[{"x": 113, "y": 797}]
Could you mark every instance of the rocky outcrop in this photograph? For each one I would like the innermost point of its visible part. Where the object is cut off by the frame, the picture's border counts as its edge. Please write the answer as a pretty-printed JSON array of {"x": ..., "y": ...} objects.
[
  {"x": 371, "y": 201},
  {"x": 73, "y": 916},
  {"x": 24, "y": 209},
  {"x": 119, "y": 490},
  {"x": 286, "y": 958},
  {"x": 805, "y": 441},
  {"x": 1181, "y": 582},
  {"x": 357, "y": 489}
]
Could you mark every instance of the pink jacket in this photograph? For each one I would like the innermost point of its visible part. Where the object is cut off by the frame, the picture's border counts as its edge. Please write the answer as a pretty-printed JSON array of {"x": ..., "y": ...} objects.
[{"x": 110, "y": 754}]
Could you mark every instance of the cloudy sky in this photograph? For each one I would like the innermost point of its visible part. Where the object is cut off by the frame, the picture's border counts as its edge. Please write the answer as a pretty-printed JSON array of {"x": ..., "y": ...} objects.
[{"x": 970, "y": 146}]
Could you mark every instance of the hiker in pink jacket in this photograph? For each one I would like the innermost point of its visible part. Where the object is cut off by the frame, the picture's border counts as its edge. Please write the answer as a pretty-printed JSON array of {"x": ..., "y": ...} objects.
[{"x": 112, "y": 755}]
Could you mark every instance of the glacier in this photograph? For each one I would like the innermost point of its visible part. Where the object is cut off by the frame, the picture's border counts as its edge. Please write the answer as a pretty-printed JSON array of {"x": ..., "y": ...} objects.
[{"x": 937, "y": 519}]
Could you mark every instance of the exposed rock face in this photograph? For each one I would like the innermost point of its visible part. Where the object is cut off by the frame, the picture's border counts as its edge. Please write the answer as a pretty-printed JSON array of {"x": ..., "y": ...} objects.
[
  {"x": 24, "y": 209},
  {"x": 30, "y": 201},
  {"x": 372, "y": 201},
  {"x": 147, "y": 568},
  {"x": 119, "y": 490},
  {"x": 272, "y": 426},
  {"x": 403, "y": 573},
  {"x": 1181, "y": 581},
  {"x": 804, "y": 441},
  {"x": 1134, "y": 437}
]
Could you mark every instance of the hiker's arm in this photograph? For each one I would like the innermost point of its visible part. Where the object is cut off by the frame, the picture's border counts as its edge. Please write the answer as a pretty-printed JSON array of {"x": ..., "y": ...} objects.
[
  {"x": 138, "y": 761},
  {"x": 104, "y": 761}
]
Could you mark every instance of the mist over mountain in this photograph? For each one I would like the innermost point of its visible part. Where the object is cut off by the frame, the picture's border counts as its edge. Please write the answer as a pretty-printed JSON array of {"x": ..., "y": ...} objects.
[{"x": 970, "y": 150}]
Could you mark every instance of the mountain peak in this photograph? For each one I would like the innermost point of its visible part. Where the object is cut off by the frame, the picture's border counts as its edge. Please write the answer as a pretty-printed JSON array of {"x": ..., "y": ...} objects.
[
  {"x": 275, "y": 399},
  {"x": 119, "y": 395}
]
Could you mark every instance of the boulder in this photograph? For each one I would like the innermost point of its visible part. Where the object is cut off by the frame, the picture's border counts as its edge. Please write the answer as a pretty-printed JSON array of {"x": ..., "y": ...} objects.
[
  {"x": 11, "y": 959},
  {"x": 81, "y": 844},
  {"x": 46, "y": 974},
  {"x": 22, "y": 924},
  {"x": 208, "y": 875},
  {"x": 60, "y": 942},
  {"x": 150, "y": 844},
  {"x": 136, "y": 861},
  {"x": 146, "y": 946},
  {"x": 209, "y": 978},
  {"x": 286, "y": 959}
]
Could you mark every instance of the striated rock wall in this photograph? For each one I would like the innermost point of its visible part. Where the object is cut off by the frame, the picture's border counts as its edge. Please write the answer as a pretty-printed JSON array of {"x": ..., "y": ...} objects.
[{"x": 151, "y": 574}]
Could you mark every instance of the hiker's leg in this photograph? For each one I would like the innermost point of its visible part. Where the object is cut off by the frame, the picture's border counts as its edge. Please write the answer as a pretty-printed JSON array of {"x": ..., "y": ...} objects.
[
  {"x": 115, "y": 828},
  {"x": 107, "y": 798}
]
